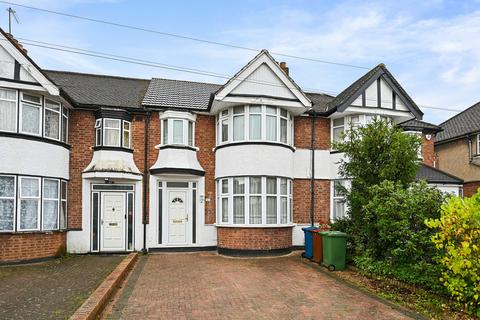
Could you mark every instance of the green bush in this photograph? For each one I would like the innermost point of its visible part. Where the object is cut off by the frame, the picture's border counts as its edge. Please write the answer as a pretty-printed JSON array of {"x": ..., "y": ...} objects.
[{"x": 458, "y": 243}]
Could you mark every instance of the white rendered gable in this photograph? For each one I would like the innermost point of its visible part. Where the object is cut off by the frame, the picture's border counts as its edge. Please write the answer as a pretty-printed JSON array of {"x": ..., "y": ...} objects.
[{"x": 29, "y": 76}]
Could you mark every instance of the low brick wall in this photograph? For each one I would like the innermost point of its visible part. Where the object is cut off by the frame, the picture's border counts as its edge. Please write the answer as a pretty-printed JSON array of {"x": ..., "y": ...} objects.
[
  {"x": 264, "y": 240},
  {"x": 18, "y": 247}
]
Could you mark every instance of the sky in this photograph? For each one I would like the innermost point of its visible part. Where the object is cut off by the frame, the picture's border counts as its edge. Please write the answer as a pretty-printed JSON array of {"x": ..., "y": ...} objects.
[{"x": 432, "y": 47}]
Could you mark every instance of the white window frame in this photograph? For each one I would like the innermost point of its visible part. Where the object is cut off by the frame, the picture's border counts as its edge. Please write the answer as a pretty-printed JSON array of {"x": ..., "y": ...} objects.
[
  {"x": 119, "y": 129},
  {"x": 64, "y": 124},
  {"x": 247, "y": 194},
  {"x": 337, "y": 127},
  {"x": 16, "y": 108},
  {"x": 14, "y": 198},
  {"x": 40, "y": 113},
  {"x": 188, "y": 121},
  {"x": 228, "y": 115},
  {"x": 334, "y": 198},
  {"x": 419, "y": 134},
  {"x": 59, "y": 116},
  {"x": 21, "y": 197},
  {"x": 62, "y": 201},
  {"x": 128, "y": 143},
  {"x": 478, "y": 145},
  {"x": 98, "y": 132},
  {"x": 51, "y": 199}
]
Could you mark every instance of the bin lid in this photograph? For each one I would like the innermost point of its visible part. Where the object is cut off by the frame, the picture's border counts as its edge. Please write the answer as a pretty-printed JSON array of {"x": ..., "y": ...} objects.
[
  {"x": 337, "y": 234},
  {"x": 312, "y": 228}
]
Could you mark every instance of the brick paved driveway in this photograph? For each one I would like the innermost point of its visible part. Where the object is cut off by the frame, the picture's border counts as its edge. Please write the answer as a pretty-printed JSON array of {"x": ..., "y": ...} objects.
[{"x": 207, "y": 286}]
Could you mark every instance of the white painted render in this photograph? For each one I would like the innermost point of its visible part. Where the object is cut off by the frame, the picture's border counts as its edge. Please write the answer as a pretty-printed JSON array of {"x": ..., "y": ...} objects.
[
  {"x": 22, "y": 156},
  {"x": 112, "y": 161},
  {"x": 248, "y": 159},
  {"x": 177, "y": 158}
]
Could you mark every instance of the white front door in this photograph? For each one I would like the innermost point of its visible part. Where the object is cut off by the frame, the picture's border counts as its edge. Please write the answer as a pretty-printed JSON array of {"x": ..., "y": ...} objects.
[
  {"x": 177, "y": 217},
  {"x": 113, "y": 222}
]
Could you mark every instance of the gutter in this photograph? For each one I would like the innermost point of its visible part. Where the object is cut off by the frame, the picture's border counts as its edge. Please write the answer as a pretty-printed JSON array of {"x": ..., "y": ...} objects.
[{"x": 145, "y": 182}]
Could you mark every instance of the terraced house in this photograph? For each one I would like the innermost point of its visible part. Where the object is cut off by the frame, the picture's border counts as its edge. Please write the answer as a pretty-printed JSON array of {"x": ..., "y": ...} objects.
[{"x": 93, "y": 163}]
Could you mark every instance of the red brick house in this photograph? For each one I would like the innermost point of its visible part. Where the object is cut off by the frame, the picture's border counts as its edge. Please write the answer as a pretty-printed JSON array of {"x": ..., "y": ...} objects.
[{"x": 94, "y": 163}]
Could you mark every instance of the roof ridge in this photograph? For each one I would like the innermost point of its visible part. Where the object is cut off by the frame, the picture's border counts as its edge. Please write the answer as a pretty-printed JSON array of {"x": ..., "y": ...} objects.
[
  {"x": 460, "y": 113},
  {"x": 190, "y": 81},
  {"x": 95, "y": 75}
]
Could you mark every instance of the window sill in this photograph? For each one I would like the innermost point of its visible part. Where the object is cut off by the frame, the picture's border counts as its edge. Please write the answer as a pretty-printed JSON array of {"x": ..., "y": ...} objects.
[
  {"x": 109, "y": 148},
  {"x": 224, "y": 225},
  {"x": 267, "y": 143},
  {"x": 176, "y": 146},
  {"x": 34, "y": 138},
  {"x": 31, "y": 232}
]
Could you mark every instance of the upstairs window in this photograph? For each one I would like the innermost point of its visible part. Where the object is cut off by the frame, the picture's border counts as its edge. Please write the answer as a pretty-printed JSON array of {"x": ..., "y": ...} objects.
[
  {"x": 338, "y": 128},
  {"x": 8, "y": 110},
  {"x": 177, "y": 131},
  {"x": 255, "y": 123},
  {"x": 33, "y": 115},
  {"x": 113, "y": 133}
]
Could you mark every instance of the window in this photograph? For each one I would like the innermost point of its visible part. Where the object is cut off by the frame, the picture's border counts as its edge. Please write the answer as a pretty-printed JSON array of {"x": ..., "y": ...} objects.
[
  {"x": 63, "y": 205},
  {"x": 339, "y": 204},
  {"x": 52, "y": 119},
  {"x": 178, "y": 131},
  {"x": 98, "y": 132},
  {"x": 7, "y": 203},
  {"x": 127, "y": 134},
  {"x": 255, "y": 200},
  {"x": 255, "y": 123},
  {"x": 338, "y": 129},
  {"x": 238, "y": 200},
  {"x": 111, "y": 132},
  {"x": 29, "y": 203},
  {"x": 51, "y": 195},
  {"x": 8, "y": 110},
  {"x": 238, "y": 123},
  {"x": 31, "y": 114},
  {"x": 64, "y": 124}
]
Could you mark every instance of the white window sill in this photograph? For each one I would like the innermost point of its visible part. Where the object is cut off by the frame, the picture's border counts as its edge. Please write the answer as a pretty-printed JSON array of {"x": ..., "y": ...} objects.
[
  {"x": 178, "y": 145},
  {"x": 225, "y": 225}
]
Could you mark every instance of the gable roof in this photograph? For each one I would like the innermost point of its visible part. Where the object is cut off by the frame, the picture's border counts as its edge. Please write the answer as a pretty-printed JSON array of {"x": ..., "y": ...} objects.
[
  {"x": 434, "y": 175},
  {"x": 347, "y": 96},
  {"x": 419, "y": 125},
  {"x": 93, "y": 90},
  {"x": 283, "y": 77},
  {"x": 460, "y": 125},
  {"x": 19, "y": 54},
  {"x": 166, "y": 93}
]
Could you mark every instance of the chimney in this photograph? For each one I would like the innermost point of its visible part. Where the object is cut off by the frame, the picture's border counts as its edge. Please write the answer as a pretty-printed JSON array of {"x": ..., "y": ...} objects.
[
  {"x": 284, "y": 67},
  {"x": 16, "y": 43}
]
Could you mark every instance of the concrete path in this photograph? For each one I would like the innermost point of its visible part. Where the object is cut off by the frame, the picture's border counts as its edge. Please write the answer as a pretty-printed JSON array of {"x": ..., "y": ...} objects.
[{"x": 208, "y": 286}]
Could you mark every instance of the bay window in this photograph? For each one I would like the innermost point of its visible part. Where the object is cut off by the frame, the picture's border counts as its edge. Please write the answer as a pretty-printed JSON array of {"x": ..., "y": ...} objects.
[
  {"x": 254, "y": 200},
  {"x": 7, "y": 203},
  {"x": 8, "y": 110},
  {"x": 37, "y": 115},
  {"x": 255, "y": 123},
  {"x": 177, "y": 131},
  {"x": 338, "y": 199},
  {"x": 113, "y": 133},
  {"x": 352, "y": 122},
  {"x": 31, "y": 114},
  {"x": 40, "y": 205}
]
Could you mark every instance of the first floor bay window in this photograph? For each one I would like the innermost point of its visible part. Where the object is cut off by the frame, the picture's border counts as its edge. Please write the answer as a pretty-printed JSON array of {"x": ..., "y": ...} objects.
[
  {"x": 8, "y": 110},
  {"x": 113, "y": 133},
  {"x": 254, "y": 200},
  {"x": 178, "y": 129},
  {"x": 39, "y": 205}
]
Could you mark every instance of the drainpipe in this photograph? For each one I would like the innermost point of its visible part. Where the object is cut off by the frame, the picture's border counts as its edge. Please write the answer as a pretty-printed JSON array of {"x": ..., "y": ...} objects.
[
  {"x": 145, "y": 182},
  {"x": 312, "y": 179}
]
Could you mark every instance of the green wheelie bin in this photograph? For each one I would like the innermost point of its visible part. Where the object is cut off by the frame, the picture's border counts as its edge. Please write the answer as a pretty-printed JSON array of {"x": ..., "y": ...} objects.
[{"x": 334, "y": 249}]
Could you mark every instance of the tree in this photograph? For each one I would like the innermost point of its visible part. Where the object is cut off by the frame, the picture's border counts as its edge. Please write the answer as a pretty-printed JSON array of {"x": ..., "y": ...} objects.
[{"x": 374, "y": 153}]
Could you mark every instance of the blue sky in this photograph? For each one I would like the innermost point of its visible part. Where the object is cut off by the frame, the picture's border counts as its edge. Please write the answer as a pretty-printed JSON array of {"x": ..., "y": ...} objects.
[{"x": 431, "y": 47}]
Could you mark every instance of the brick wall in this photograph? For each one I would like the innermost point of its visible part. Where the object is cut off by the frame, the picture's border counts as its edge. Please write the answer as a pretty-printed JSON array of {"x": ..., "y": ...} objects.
[
  {"x": 301, "y": 201},
  {"x": 30, "y": 246},
  {"x": 303, "y": 129},
  {"x": 470, "y": 188},
  {"x": 205, "y": 141},
  {"x": 428, "y": 152},
  {"x": 82, "y": 140},
  {"x": 254, "y": 238}
]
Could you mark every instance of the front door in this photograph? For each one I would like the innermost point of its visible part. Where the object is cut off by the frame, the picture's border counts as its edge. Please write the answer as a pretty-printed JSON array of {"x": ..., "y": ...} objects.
[
  {"x": 177, "y": 217},
  {"x": 113, "y": 222}
]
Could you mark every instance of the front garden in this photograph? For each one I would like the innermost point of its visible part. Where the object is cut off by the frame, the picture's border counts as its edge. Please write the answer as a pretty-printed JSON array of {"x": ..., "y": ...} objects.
[{"x": 405, "y": 230}]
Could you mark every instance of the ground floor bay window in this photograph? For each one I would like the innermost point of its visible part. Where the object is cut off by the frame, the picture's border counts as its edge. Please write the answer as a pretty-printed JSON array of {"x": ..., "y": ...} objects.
[
  {"x": 29, "y": 203},
  {"x": 254, "y": 201}
]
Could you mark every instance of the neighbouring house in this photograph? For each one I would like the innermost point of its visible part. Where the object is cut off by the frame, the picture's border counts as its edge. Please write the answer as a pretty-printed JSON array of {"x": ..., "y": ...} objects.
[
  {"x": 457, "y": 148},
  {"x": 94, "y": 163}
]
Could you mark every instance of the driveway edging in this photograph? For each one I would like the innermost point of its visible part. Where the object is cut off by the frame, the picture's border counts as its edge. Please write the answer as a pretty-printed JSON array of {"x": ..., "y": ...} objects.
[{"x": 97, "y": 301}]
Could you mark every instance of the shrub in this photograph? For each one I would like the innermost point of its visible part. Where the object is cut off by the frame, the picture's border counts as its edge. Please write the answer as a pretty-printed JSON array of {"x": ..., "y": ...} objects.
[{"x": 458, "y": 244}]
